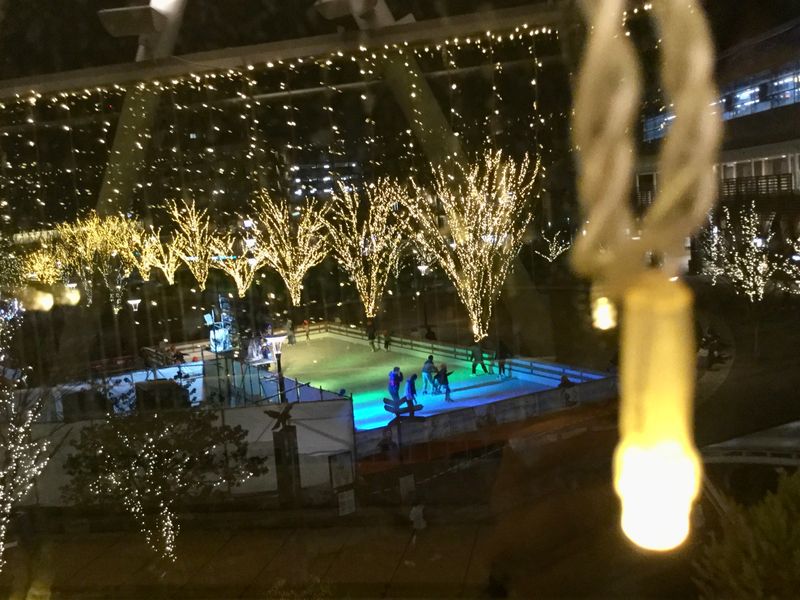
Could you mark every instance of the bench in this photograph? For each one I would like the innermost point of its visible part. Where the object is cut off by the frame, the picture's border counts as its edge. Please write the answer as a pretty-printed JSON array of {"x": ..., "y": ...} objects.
[{"x": 402, "y": 410}]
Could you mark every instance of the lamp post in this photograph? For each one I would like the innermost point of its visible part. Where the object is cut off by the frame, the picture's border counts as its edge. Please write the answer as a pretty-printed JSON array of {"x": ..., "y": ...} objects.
[
  {"x": 423, "y": 269},
  {"x": 275, "y": 343}
]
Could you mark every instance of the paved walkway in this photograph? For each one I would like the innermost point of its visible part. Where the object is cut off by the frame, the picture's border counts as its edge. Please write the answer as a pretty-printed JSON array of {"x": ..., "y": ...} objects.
[{"x": 360, "y": 561}]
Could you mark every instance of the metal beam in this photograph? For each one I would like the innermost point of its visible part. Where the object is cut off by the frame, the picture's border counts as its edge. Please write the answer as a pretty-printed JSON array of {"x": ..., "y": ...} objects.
[{"x": 432, "y": 31}]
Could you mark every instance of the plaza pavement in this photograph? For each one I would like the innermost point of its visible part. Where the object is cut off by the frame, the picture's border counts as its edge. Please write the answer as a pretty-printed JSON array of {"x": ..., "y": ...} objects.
[{"x": 360, "y": 561}]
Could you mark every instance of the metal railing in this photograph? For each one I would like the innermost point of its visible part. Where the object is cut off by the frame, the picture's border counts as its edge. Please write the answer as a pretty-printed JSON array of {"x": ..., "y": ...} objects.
[
  {"x": 760, "y": 185},
  {"x": 549, "y": 370}
]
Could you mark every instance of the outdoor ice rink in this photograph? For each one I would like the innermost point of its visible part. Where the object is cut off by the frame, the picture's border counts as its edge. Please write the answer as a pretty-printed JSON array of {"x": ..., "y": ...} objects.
[{"x": 337, "y": 363}]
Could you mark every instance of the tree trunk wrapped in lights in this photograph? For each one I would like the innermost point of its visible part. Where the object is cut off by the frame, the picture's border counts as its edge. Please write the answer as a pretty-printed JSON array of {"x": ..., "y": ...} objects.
[
  {"x": 239, "y": 259},
  {"x": 291, "y": 246},
  {"x": 748, "y": 261},
  {"x": 487, "y": 207},
  {"x": 365, "y": 236},
  {"x": 23, "y": 458},
  {"x": 193, "y": 238},
  {"x": 102, "y": 245},
  {"x": 114, "y": 254},
  {"x": 167, "y": 257}
]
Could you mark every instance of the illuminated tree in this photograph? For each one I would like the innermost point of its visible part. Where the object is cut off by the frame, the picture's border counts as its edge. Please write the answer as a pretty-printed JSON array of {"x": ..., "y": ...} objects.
[
  {"x": 114, "y": 254},
  {"x": 23, "y": 458},
  {"x": 554, "y": 245},
  {"x": 75, "y": 252},
  {"x": 103, "y": 245},
  {"x": 42, "y": 265},
  {"x": 487, "y": 207},
  {"x": 365, "y": 236},
  {"x": 149, "y": 464},
  {"x": 749, "y": 263},
  {"x": 193, "y": 238},
  {"x": 291, "y": 245},
  {"x": 167, "y": 257},
  {"x": 712, "y": 252},
  {"x": 238, "y": 257},
  {"x": 145, "y": 244}
]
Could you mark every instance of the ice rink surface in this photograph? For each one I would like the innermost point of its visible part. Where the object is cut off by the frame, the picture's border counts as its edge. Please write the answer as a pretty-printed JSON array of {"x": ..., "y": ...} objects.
[{"x": 336, "y": 363}]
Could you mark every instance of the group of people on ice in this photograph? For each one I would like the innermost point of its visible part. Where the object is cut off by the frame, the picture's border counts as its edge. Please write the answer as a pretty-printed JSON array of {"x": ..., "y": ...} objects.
[{"x": 437, "y": 379}]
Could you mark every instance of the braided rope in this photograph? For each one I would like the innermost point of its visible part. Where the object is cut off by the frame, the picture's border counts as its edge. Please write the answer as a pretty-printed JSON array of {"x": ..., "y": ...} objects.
[{"x": 606, "y": 107}]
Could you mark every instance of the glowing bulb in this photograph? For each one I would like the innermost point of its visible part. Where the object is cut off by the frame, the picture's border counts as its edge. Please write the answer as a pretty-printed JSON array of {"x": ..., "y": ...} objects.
[
  {"x": 604, "y": 314},
  {"x": 656, "y": 466}
]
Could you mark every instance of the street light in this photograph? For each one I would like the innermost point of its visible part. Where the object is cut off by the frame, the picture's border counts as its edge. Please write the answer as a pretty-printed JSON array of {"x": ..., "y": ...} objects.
[{"x": 275, "y": 344}]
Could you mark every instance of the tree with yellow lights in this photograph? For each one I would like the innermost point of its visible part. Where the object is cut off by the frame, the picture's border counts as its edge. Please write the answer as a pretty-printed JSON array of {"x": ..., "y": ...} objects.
[
  {"x": 23, "y": 458},
  {"x": 366, "y": 238},
  {"x": 42, "y": 265},
  {"x": 76, "y": 251},
  {"x": 145, "y": 245},
  {"x": 291, "y": 246},
  {"x": 115, "y": 240},
  {"x": 240, "y": 258},
  {"x": 193, "y": 238},
  {"x": 151, "y": 463},
  {"x": 487, "y": 208},
  {"x": 167, "y": 257}
]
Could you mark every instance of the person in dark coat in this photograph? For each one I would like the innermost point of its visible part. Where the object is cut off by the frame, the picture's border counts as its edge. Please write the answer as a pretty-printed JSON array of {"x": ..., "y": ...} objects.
[
  {"x": 395, "y": 379},
  {"x": 411, "y": 390},
  {"x": 443, "y": 379},
  {"x": 501, "y": 355},
  {"x": 371, "y": 334},
  {"x": 477, "y": 358}
]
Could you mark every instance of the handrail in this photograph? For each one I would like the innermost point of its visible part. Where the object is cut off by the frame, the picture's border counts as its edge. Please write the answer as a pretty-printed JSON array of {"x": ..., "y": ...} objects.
[{"x": 458, "y": 352}]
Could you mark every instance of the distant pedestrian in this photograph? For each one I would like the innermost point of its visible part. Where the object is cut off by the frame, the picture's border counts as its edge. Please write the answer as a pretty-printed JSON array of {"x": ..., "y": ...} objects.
[
  {"x": 307, "y": 326},
  {"x": 395, "y": 379},
  {"x": 290, "y": 329},
  {"x": 371, "y": 334},
  {"x": 430, "y": 334},
  {"x": 477, "y": 358},
  {"x": 417, "y": 518},
  {"x": 387, "y": 340},
  {"x": 428, "y": 373},
  {"x": 411, "y": 390},
  {"x": 443, "y": 379}
]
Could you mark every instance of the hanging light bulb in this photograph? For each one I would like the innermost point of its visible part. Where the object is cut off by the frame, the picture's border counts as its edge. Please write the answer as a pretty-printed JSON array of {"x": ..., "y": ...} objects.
[
  {"x": 604, "y": 313},
  {"x": 656, "y": 466}
]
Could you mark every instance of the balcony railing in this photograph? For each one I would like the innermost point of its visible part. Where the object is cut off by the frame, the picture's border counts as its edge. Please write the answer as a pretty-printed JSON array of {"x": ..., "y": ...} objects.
[{"x": 761, "y": 185}]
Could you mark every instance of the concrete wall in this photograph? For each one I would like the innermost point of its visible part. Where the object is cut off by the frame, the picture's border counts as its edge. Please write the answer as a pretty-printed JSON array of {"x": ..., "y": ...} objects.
[
  {"x": 323, "y": 429},
  {"x": 469, "y": 419}
]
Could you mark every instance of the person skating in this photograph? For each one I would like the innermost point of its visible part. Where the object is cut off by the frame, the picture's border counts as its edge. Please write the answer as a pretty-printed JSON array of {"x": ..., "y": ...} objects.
[
  {"x": 428, "y": 374},
  {"x": 477, "y": 358},
  {"x": 443, "y": 379},
  {"x": 395, "y": 378},
  {"x": 371, "y": 334},
  {"x": 411, "y": 390},
  {"x": 501, "y": 356}
]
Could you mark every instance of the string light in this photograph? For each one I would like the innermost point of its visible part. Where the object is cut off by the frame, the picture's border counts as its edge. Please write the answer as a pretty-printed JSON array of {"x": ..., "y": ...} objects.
[
  {"x": 193, "y": 238},
  {"x": 23, "y": 457},
  {"x": 365, "y": 236},
  {"x": 291, "y": 246},
  {"x": 167, "y": 257},
  {"x": 555, "y": 246},
  {"x": 747, "y": 261},
  {"x": 487, "y": 208},
  {"x": 149, "y": 463}
]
